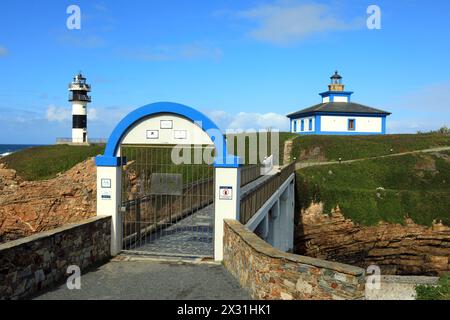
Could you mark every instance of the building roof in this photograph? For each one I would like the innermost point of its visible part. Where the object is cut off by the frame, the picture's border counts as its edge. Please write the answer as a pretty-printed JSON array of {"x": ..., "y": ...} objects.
[{"x": 338, "y": 107}]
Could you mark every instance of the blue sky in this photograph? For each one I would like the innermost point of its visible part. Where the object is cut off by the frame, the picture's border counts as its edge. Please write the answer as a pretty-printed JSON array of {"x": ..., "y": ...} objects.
[{"x": 244, "y": 63}]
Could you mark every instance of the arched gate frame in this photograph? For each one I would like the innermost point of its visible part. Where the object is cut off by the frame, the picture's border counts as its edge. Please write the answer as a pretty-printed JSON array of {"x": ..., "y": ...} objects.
[{"x": 167, "y": 123}]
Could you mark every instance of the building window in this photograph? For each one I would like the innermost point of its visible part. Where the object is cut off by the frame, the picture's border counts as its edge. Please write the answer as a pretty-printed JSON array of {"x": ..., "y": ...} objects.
[
  {"x": 351, "y": 124},
  {"x": 295, "y": 125},
  {"x": 310, "y": 124},
  {"x": 302, "y": 125}
]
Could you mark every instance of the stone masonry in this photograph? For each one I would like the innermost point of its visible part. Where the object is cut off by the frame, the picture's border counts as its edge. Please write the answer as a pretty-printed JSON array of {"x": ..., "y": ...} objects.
[
  {"x": 268, "y": 273},
  {"x": 40, "y": 261}
]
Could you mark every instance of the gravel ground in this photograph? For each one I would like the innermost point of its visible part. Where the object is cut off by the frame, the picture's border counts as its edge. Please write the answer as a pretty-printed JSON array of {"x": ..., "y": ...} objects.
[{"x": 398, "y": 287}]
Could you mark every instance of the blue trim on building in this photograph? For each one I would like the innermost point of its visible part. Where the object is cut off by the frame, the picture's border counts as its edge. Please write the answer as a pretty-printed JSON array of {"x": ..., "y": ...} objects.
[
  {"x": 295, "y": 125},
  {"x": 302, "y": 125},
  {"x": 336, "y": 93},
  {"x": 318, "y": 126},
  {"x": 222, "y": 158},
  {"x": 348, "y": 114},
  {"x": 105, "y": 161},
  {"x": 345, "y": 133},
  {"x": 383, "y": 125},
  {"x": 310, "y": 124}
]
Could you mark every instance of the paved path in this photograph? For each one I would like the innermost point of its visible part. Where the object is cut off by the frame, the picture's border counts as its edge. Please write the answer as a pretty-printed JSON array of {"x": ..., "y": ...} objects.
[
  {"x": 301, "y": 165},
  {"x": 191, "y": 236},
  {"x": 147, "y": 279}
]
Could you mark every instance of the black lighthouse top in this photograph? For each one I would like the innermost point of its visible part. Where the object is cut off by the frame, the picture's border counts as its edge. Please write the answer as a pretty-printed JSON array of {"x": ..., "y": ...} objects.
[
  {"x": 79, "y": 89},
  {"x": 336, "y": 78}
]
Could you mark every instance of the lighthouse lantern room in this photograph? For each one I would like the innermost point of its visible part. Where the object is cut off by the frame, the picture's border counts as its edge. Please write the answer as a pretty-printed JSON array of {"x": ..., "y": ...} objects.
[{"x": 79, "y": 98}]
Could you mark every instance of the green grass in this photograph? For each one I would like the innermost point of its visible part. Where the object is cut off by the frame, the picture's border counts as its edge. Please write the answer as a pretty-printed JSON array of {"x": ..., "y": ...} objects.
[
  {"x": 415, "y": 186},
  {"x": 331, "y": 148},
  {"x": 44, "y": 162},
  {"x": 283, "y": 137},
  {"x": 439, "y": 292}
]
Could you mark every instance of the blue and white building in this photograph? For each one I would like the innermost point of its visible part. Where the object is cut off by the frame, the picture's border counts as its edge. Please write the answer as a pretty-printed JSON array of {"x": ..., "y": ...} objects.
[{"x": 338, "y": 115}]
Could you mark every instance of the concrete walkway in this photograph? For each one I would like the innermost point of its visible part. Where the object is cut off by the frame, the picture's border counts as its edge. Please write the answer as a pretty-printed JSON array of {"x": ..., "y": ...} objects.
[
  {"x": 301, "y": 165},
  {"x": 192, "y": 236},
  {"x": 149, "y": 279}
]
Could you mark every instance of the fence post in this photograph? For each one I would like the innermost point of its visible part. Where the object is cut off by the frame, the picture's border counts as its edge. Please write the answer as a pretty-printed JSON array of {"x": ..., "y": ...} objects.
[{"x": 226, "y": 201}]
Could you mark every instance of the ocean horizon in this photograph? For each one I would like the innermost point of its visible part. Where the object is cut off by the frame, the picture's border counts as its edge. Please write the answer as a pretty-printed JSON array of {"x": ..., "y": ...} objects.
[{"x": 7, "y": 149}]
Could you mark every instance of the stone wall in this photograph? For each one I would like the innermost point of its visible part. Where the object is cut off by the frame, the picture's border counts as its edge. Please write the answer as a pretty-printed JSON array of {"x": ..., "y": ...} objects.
[
  {"x": 268, "y": 273},
  {"x": 40, "y": 261},
  {"x": 407, "y": 249}
]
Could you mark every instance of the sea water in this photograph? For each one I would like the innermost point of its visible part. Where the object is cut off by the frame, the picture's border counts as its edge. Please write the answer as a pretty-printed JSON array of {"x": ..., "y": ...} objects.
[{"x": 6, "y": 149}]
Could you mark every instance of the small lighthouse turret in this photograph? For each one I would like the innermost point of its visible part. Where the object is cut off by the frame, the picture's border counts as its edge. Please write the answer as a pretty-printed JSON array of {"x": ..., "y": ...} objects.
[
  {"x": 336, "y": 83},
  {"x": 79, "y": 97}
]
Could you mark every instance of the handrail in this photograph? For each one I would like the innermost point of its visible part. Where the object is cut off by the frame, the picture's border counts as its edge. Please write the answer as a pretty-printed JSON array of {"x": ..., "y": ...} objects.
[
  {"x": 249, "y": 173},
  {"x": 252, "y": 201}
]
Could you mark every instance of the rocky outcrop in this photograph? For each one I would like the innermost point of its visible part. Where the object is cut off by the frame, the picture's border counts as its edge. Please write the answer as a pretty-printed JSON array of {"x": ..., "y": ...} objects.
[
  {"x": 408, "y": 249},
  {"x": 28, "y": 207}
]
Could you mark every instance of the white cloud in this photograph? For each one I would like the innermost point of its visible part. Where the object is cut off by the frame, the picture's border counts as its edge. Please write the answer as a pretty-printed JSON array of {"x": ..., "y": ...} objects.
[
  {"x": 92, "y": 114},
  {"x": 424, "y": 109},
  {"x": 192, "y": 51},
  {"x": 289, "y": 21},
  {"x": 432, "y": 98},
  {"x": 82, "y": 41},
  {"x": 55, "y": 114},
  {"x": 3, "y": 51},
  {"x": 249, "y": 120}
]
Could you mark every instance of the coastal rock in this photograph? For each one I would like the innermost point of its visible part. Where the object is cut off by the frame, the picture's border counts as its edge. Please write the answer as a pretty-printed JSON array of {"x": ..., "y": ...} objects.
[
  {"x": 398, "y": 249},
  {"x": 28, "y": 207}
]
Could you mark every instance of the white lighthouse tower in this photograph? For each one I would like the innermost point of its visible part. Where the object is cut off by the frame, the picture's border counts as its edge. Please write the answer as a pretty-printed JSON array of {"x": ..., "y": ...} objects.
[{"x": 79, "y": 97}]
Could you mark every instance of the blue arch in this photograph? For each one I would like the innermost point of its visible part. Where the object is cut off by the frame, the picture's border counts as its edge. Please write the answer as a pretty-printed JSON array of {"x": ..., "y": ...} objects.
[{"x": 109, "y": 159}]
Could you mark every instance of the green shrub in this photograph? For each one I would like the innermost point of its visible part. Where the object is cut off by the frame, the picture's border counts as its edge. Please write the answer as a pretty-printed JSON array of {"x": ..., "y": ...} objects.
[{"x": 439, "y": 292}]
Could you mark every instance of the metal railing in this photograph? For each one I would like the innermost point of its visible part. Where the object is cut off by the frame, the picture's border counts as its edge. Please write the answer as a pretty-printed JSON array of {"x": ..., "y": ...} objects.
[
  {"x": 79, "y": 97},
  {"x": 253, "y": 200},
  {"x": 250, "y": 173},
  {"x": 78, "y": 141},
  {"x": 80, "y": 86}
]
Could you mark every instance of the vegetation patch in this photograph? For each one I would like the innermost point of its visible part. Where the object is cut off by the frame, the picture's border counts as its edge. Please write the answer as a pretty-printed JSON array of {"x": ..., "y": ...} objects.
[
  {"x": 441, "y": 291},
  {"x": 415, "y": 186},
  {"x": 331, "y": 148},
  {"x": 45, "y": 162},
  {"x": 235, "y": 139}
]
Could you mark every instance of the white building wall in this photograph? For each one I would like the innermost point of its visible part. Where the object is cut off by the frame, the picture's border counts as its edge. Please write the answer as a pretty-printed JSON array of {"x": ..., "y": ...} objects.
[
  {"x": 340, "y": 124},
  {"x": 306, "y": 125},
  {"x": 166, "y": 129},
  {"x": 340, "y": 99}
]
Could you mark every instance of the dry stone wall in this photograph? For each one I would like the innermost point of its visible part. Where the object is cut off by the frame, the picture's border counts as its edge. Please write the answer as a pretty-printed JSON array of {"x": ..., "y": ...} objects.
[
  {"x": 40, "y": 261},
  {"x": 268, "y": 273}
]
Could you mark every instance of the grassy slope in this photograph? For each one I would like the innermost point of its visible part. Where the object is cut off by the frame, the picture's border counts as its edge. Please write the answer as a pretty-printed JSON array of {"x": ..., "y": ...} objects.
[
  {"x": 416, "y": 186},
  {"x": 44, "y": 162},
  {"x": 356, "y": 147},
  {"x": 40, "y": 163},
  {"x": 283, "y": 137}
]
